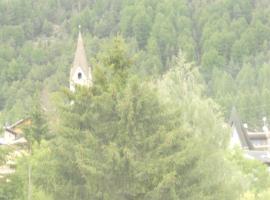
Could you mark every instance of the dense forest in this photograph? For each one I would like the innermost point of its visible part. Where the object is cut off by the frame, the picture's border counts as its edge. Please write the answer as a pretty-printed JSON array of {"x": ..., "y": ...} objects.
[{"x": 166, "y": 76}]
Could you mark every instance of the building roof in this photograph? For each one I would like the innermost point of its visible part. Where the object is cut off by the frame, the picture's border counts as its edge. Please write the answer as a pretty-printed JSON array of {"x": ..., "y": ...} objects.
[
  {"x": 80, "y": 59},
  {"x": 17, "y": 127},
  {"x": 242, "y": 132}
]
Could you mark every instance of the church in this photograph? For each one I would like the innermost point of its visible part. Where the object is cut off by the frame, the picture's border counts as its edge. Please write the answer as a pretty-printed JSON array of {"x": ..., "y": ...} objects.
[
  {"x": 81, "y": 72},
  {"x": 80, "y": 75}
]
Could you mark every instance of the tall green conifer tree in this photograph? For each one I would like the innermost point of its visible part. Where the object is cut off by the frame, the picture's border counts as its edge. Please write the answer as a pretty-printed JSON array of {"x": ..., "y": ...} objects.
[{"x": 125, "y": 138}]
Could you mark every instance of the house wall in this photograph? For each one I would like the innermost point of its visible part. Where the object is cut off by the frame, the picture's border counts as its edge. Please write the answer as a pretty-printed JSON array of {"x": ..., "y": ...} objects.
[
  {"x": 259, "y": 142},
  {"x": 235, "y": 140},
  {"x": 9, "y": 136}
]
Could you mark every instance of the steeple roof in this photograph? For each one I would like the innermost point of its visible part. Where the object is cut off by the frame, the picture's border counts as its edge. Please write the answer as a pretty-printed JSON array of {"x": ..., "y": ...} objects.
[{"x": 80, "y": 59}]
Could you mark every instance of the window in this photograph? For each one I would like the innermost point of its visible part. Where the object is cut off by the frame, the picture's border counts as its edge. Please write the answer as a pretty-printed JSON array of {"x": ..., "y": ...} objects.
[{"x": 79, "y": 75}]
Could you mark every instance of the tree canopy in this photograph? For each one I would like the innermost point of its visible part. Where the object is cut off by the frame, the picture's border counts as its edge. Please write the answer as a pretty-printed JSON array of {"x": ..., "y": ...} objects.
[{"x": 166, "y": 75}]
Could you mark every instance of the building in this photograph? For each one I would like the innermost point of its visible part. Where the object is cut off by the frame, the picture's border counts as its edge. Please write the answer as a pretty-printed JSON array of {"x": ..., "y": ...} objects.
[
  {"x": 81, "y": 72},
  {"x": 13, "y": 134},
  {"x": 13, "y": 138},
  {"x": 256, "y": 145}
]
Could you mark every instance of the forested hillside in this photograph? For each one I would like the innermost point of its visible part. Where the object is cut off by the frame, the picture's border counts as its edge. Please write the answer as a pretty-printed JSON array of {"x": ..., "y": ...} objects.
[
  {"x": 228, "y": 39},
  {"x": 160, "y": 67}
]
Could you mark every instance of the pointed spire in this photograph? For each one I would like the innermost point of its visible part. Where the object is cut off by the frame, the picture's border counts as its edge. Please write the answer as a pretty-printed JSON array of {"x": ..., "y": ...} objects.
[
  {"x": 80, "y": 59},
  {"x": 80, "y": 72}
]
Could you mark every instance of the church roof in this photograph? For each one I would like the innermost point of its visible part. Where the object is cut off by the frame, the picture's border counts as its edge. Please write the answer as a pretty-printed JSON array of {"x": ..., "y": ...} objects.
[{"x": 80, "y": 59}]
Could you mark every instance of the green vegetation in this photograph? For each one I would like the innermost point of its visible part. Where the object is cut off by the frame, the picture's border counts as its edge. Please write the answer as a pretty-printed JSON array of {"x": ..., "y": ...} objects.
[{"x": 166, "y": 75}]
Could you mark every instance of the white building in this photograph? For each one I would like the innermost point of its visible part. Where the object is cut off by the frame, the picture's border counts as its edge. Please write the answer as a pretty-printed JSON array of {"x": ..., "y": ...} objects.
[
  {"x": 256, "y": 145},
  {"x": 13, "y": 134}
]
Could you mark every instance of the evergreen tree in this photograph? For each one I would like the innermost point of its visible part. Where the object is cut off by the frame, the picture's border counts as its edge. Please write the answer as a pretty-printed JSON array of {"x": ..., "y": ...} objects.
[
  {"x": 142, "y": 141},
  {"x": 38, "y": 128}
]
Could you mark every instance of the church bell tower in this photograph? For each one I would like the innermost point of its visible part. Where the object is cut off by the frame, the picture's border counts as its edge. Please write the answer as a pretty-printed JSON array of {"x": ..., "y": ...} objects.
[{"x": 80, "y": 73}]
